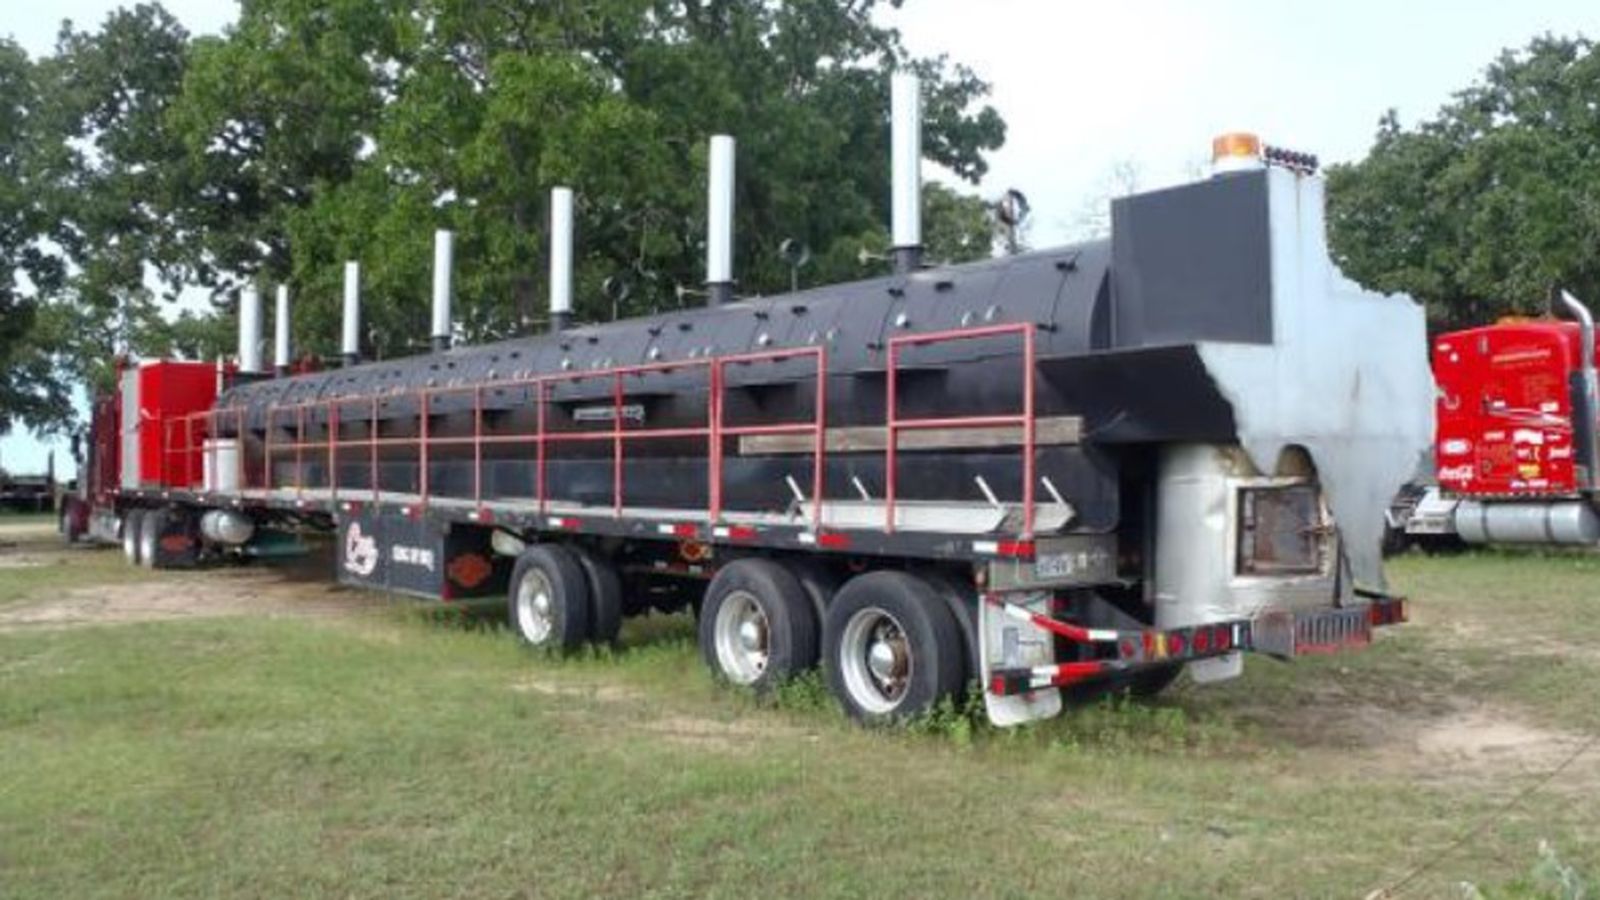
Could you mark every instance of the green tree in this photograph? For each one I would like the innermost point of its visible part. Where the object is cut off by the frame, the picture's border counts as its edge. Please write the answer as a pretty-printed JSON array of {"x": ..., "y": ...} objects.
[
  {"x": 31, "y": 393},
  {"x": 1483, "y": 209},
  {"x": 112, "y": 175},
  {"x": 353, "y": 129}
]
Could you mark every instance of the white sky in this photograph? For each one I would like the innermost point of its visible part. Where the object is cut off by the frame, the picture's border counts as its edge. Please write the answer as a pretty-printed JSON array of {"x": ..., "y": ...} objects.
[{"x": 1085, "y": 86}]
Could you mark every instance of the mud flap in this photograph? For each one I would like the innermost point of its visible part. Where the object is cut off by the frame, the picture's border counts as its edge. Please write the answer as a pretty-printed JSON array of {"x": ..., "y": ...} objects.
[
  {"x": 419, "y": 557},
  {"x": 1005, "y": 642}
]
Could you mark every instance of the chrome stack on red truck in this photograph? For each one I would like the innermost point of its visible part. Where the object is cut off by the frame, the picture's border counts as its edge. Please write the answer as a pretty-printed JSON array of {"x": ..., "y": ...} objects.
[{"x": 1097, "y": 465}]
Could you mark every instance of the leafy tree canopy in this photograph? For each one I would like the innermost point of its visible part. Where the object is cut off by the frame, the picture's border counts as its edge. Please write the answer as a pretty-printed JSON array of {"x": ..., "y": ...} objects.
[
  {"x": 138, "y": 160},
  {"x": 1482, "y": 210},
  {"x": 352, "y": 129}
]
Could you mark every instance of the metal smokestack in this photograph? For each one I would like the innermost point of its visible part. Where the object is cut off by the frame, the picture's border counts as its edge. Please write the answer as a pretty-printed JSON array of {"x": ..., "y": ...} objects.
[
  {"x": 250, "y": 331},
  {"x": 905, "y": 96},
  {"x": 280, "y": 332},
  {"x": 350, "y": 347},
  {"x": 560, "y": 258},
  {"x": 719, "y": 223},
  {"x": 444, "y": 246}
]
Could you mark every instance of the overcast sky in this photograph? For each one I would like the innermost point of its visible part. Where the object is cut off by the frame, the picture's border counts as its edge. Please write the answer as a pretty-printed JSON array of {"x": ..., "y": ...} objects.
[{"x": 1085, "y": 87}]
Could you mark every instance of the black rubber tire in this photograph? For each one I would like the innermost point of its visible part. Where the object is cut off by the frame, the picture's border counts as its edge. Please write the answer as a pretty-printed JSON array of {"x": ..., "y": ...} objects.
[
  {"x": 130, "y": 535},
  {"x": 933, "y": 639},
  {"x": 605, "y": 594},
  {"x": 151, "y": 524},
  {"x": 820, "y": 582},
  {"x": 569, "y": 597},
  {"x": 67, "y": 523},
  {"x": 791, "y": 619}
]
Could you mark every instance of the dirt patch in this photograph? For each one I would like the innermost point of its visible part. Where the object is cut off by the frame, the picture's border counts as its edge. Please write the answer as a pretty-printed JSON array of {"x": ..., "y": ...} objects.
[
  {"x": 1484, "y": 746},
  {"x": 27, "y": 529},
  {"x": 732, "y": 736},
  {"x": 605, "y": 693},
  {"x": 234, "y": 592}
]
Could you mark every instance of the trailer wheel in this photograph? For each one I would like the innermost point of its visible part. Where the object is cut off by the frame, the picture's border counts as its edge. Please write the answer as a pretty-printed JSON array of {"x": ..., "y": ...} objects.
[
  {"x": 605, "y": 594},
  {"x": 893, "y": 649},
  {"x": 131, "y": 521},
  {"x": 151, "y": 524},
  {"x": 757, "y": 624},
  {"x": 549, "y": 598},
  {"x": 69, "y": 521}
]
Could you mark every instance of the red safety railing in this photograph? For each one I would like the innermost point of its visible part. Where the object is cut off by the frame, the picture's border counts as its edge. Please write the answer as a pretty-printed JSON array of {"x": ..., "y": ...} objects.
[
  {"x": 1024, "y": 418},
  {"x": 203, "y": 426},
  {"x": 543, "y": 439}
]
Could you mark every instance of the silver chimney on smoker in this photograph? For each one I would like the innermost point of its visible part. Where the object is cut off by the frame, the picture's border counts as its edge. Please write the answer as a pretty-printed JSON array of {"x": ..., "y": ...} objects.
[
  {"x": 719, "y": 223},
  {"x": 350, "y": 346},
  {"x": 444, "y": 245},
  {"x": 560, "y": 259},
  {"x": 280, "y": 332},
  {"x": 250, "y": 331},
  {"x": 905, "y": 99}
]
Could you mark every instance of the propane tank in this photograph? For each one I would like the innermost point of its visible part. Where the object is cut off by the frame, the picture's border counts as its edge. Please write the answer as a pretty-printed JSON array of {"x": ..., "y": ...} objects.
[{"x": 224, "y": 526}]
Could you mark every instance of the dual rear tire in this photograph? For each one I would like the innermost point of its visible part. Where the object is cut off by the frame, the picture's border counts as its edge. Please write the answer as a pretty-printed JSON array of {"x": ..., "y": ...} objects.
[
  {"x": 890, "y": 645},
  {"x": 561, "y": 597}
]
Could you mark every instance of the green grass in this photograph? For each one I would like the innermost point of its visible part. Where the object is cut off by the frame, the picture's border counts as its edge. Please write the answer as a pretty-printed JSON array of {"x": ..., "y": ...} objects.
[
  {"x": 418, "y": 755},
  {"x": 50, "y": 569}
]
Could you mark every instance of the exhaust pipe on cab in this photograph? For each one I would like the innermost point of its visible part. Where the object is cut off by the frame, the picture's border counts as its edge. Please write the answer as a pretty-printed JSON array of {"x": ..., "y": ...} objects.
[{"x": 1585, "y": 396}]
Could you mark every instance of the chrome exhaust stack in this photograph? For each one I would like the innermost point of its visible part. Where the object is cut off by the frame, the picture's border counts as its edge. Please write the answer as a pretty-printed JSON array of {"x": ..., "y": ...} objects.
[
  {"x": 560, "y": 259},
  {"x": 280, "y": 333},
  {"x": 444, "y": 245},
  {"x": 250, "y": 331},
  {"x": 905, "y": 138},
  {"x": 1585, "y": 397},
  {"x": 719, "y": 223},
  {"x": 350, "y": 345}
]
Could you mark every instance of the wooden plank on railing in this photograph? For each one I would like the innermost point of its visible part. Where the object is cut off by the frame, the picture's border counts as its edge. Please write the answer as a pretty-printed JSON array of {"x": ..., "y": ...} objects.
[{"x": 1052, "y": 430}]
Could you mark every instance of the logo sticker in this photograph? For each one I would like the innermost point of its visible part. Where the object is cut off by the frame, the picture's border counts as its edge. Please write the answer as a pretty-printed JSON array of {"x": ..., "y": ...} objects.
[{"x": 360, "y": 552}]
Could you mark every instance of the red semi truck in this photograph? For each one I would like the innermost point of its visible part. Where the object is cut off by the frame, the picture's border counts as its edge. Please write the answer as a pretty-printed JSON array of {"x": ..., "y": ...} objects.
[{"x": 1515, "y": 447}]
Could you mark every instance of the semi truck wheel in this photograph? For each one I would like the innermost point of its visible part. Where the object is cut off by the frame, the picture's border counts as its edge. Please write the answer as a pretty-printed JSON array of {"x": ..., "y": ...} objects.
[
  {"x": 757, "y": 624},
  {"x": 130, "y": 535},
  {"x": 549, "y": 598},
  {"x": 151, "y": 524},
  {"x": 892, "y": 648},
  {"x": 605, "y": 594}
]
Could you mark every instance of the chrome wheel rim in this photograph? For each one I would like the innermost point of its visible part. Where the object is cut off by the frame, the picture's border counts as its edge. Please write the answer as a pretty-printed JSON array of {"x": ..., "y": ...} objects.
[
  {"x": 875, "y": 659},
  {"x": 535, "y": 607},
  {"x": 743, "y": 638}
]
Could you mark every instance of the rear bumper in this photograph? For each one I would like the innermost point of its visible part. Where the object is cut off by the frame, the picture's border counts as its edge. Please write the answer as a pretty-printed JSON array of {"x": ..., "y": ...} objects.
[{"x": 1282, "y": 634}]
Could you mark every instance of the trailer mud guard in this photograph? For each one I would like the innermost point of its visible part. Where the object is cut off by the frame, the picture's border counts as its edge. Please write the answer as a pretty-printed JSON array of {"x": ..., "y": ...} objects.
[{"x": 382, "y": 549}]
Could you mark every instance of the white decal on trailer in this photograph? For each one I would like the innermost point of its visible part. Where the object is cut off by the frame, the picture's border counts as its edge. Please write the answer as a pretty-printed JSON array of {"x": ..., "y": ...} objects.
[
  {"x": 412, "y": 556},
  {"x": 360, "y": 551}
]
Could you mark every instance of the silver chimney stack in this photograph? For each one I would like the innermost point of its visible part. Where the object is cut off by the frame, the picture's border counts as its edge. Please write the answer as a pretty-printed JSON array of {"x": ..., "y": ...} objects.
[
  {"x": 905, "y": 96},
  {"x": 560, "y": 259},
  {"x": 444, "y": 247},
  {"x": 350, "y": 347},
  {"x": 719, "y": 223},
  {"x": 280, "y": 332},
  {"x": 250, "y": 331}
]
